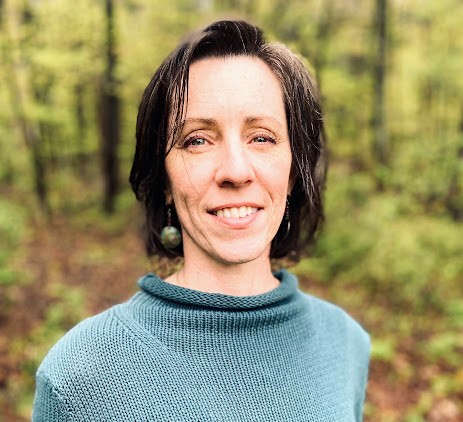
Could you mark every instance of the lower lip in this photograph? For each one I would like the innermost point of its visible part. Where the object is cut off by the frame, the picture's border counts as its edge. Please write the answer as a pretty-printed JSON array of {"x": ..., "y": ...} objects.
[{"x": 236, "y": 223}]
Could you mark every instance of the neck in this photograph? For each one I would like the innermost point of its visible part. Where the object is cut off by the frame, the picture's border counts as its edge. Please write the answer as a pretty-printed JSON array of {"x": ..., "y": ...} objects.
[{"x": 245, "y": 279}]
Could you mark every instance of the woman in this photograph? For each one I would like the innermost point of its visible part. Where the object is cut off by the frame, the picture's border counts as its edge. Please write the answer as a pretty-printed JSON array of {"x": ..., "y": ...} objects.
[{"x": 229, "y": 165}]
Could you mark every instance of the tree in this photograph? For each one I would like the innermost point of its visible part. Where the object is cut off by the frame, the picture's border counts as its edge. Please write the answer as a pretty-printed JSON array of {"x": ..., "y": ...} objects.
[
  {"x": 109, "y": 115},
  {"x": 380, "y": 136},
  {"x": 21, "y": 94}
]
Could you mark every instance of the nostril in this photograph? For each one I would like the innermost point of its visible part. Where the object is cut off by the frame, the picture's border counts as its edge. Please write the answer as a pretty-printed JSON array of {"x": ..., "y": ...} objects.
[
  {"x": 234, "y": 183},
  {"x": 235, "y": 171}
]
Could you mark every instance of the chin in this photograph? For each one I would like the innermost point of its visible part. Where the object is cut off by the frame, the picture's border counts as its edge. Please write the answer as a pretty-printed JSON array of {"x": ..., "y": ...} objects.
[
  {"x": 237, "y": 254},
  {"x": 227, "y": 260}
]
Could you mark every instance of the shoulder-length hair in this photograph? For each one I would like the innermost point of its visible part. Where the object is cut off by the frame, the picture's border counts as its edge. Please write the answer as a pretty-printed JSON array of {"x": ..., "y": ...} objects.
[{"x": 165, "y": 97}]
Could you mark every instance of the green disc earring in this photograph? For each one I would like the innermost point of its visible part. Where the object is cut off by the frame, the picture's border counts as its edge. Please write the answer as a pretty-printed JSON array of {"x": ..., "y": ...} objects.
[{"x": 170, "y": 235}]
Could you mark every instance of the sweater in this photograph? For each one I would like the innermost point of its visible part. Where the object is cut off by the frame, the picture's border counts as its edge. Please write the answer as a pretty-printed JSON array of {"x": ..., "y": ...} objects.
[{"x": 175, "y": 354}]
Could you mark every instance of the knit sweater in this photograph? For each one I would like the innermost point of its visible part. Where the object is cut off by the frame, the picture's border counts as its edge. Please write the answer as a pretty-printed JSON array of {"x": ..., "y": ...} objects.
[{"x": 176, "y": 354}]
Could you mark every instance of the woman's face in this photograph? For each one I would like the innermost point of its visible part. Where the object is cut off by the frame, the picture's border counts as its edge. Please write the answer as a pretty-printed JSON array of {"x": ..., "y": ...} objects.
[{"x": 229, "y": 171}]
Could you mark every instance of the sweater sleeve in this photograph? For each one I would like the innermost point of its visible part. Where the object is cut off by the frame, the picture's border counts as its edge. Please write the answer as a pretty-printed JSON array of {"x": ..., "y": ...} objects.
[{"x": 48, "y": 404}]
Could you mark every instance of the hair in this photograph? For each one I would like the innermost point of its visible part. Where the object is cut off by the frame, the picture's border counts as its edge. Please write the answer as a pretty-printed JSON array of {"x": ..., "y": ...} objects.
[{"x": 164, "y": 100}]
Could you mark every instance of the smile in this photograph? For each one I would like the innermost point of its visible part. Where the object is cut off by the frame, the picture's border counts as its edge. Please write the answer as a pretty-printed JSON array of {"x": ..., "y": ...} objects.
[{"x": 235, "y": 212}]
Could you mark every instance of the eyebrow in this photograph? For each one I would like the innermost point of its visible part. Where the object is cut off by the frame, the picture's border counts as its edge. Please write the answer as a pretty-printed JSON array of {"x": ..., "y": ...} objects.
[
  {"x": 213, "y": 122},
  {"x": 255, "y": 119},
  {"x": 204, "y": 121}
]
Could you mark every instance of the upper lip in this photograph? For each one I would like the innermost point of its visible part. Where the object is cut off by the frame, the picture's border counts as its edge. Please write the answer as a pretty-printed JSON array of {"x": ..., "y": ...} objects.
[{"x": 235, "y": 205}]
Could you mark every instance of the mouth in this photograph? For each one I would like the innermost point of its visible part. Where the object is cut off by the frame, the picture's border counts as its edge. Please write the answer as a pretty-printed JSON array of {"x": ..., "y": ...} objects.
[{"x": 234, "y": 212}]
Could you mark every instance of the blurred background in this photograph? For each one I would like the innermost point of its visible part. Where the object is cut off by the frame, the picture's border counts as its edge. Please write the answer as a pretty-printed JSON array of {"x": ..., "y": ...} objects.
[{"x": 391, "y": 249}]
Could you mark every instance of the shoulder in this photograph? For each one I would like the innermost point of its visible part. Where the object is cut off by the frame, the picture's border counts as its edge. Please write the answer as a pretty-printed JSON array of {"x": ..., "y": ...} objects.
[
  {"x": 70, "y": 363},
  {"x": 79, "y": 343},
  {"x": 100, "y": 361},
  {"x": 327, "y": 321},
  {"x": 92, "y": 347},
  {"x": 333, "y": 325},
  {"x": 332, "y": 315}
]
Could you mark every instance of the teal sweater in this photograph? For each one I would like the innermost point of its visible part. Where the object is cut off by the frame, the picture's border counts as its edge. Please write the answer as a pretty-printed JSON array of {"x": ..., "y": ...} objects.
[{"x": 175, "y": 354}]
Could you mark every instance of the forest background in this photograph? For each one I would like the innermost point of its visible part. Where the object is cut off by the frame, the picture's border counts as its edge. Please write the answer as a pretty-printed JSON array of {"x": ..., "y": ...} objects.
[{"x": 390, "y": 251}]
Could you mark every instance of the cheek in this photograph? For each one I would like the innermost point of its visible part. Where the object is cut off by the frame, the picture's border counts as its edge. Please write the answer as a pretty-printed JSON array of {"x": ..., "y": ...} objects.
[
  {"x": 187, "y": 182},
  {"x": 278, "y": 174}
]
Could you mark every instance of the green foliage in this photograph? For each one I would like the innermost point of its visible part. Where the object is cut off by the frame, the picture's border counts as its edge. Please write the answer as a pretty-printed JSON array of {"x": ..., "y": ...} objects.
[
  {"x": 372, "y": 239},
  {"x": 12, "y": 227},
  {"x": 454, "y": 311},
  {"x": 447, "y": 346},
  {"x": 383, "y": 349},
  {"x": 429, "y": 175}
]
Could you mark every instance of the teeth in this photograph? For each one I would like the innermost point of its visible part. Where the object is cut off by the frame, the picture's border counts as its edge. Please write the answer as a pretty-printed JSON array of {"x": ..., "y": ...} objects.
[{"x": 235, "y": 212}]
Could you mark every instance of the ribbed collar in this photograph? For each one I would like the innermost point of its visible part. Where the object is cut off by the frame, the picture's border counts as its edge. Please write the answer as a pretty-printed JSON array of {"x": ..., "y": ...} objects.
[
  {"x": 159, "y": 288},
  {"x": 186, "y": 320}
]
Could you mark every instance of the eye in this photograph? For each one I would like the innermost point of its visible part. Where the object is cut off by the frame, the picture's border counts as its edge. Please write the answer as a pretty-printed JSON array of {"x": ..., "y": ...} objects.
[
  {"x": 194, "y": 141},
  {"x": 262, "y": 139}
]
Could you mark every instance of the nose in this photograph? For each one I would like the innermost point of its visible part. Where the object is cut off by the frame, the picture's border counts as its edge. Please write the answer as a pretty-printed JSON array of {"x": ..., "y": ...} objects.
[{"x": 234, "y": 168}]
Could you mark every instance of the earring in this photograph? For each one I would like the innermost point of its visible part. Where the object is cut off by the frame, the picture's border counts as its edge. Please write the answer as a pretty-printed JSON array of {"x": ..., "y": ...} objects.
[
  {"x": 170, "y": 236},
  {"x": 286, "y": 218}
]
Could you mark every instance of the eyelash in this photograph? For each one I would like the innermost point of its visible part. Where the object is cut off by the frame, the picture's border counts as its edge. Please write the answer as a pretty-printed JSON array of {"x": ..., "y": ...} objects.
[
  {"x": 187, "y": 142},
  {"x": 264, "y": 136}
]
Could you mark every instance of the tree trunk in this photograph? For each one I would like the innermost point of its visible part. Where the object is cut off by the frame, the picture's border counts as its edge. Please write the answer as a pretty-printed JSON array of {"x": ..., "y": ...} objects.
[
  {"x": 80, "y": 160},
  {"x": 109, "y": 117},
  {"x": 380, "y": 136},
  {"x": 20, "y": 94}
]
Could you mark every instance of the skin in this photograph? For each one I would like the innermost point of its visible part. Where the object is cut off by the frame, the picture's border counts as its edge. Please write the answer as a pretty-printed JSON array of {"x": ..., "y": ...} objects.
[{"x": 233, "y": 152}]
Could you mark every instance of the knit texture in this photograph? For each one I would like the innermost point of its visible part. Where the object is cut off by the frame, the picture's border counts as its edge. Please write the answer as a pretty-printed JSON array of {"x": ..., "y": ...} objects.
[{"x": 175, "y": 354}]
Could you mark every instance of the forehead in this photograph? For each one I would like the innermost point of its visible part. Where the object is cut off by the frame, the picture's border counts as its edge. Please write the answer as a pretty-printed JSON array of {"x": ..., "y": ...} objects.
[{"x": 237, "y": 84}]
